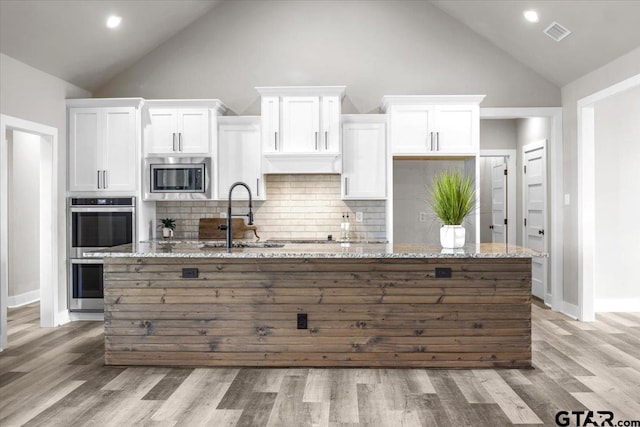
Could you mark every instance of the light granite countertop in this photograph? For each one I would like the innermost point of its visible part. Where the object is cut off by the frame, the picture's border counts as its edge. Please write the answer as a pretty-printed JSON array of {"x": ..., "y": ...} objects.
[{"x": 199, "y": 249}]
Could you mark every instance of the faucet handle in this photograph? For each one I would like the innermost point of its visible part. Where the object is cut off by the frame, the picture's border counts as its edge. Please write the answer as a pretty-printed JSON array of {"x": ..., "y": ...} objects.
[
  {"x": 222, "y": 226},
  {"x": 250, "y": 215}
]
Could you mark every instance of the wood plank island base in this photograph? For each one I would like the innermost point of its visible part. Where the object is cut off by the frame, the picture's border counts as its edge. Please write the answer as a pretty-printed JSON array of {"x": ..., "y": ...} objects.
[{"x": 363, "y": 308}]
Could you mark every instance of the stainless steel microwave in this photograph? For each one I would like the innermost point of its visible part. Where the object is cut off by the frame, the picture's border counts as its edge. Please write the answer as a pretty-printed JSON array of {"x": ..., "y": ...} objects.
[{"x": 171, "y": 178}]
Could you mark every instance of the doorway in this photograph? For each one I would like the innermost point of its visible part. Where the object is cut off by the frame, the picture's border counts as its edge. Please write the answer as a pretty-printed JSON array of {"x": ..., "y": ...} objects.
[{"x": 46, "y": 139}]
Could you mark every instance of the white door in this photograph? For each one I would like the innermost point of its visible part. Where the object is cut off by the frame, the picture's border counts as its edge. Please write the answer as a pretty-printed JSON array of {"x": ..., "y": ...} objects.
[
  {"x": 300, "y": 124},
  {"x": 119, "y": 149},
  {"x": 455, "y": 129},
  {"x": 84, "y": 143},
  {"x": 330, "y": 135},
  {"x": 411, "y": 129},
  {"x": 163, "y": 131},
  {"x": 498, "y": 200},
  {"x": 240, "y": 159},
  {"x": 535, "y": 234},
  {"x": 193, "y": 131},
  {"x": 364, "y": 161}
]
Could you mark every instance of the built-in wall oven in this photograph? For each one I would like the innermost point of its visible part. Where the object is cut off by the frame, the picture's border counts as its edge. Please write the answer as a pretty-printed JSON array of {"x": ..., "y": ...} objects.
[{"x": 95, "y": 223}]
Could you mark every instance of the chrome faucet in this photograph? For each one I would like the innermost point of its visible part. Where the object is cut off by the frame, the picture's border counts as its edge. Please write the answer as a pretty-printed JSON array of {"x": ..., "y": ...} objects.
[{"x": 229, "y": 226}]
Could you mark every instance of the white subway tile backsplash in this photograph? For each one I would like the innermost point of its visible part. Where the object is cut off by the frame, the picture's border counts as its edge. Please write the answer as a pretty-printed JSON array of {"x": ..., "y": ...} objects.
[{"x": 297, "y": 207}]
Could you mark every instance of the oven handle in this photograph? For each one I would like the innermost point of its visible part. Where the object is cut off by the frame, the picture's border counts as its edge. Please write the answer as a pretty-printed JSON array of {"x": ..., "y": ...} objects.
[{"x": 104, "y": 209}]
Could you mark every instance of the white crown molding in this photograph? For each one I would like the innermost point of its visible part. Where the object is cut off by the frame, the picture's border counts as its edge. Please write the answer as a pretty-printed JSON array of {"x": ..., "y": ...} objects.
[
  {"x": 364, "y": 118},
  {"x": 389, "y": 100},
  {"x": 215, "y": 104},
  {"x": 105, "y": 102},
  {"x": 301, "y": 90},
  {"x": 239, "y": 120}
]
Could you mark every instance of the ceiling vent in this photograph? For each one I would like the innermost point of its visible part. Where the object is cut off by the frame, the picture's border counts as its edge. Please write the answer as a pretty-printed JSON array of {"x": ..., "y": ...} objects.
[{"x": 556, "y": 31}]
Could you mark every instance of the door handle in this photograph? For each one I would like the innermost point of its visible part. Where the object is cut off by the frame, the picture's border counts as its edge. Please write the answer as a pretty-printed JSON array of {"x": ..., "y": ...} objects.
[
  {"x": 98, "y": 180},
  {"x": 541, "y": 232},
  {"x": 105, "y": 177},
  {"x": 326, "y": 137},
  {"x": 180, "y": 141}
]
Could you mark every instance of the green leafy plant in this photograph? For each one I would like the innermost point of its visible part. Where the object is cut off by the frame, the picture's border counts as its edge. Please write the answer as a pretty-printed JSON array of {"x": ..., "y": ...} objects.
[
  {"x": 169, "y": 223},
  {"x": 452, "y": 197}
]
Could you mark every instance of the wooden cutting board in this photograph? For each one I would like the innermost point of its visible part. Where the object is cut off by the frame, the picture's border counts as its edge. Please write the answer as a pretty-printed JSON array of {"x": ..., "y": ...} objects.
[{"x": 208, "y": 228}]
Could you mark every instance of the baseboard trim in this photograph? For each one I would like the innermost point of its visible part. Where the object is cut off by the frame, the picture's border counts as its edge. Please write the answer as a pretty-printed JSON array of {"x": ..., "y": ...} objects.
[
  {"x": 570, "y": 310},
  {"x": 81, "y": 316},
  {"x": 620, "y": 305},
  {"x": 23, "y": 299}
]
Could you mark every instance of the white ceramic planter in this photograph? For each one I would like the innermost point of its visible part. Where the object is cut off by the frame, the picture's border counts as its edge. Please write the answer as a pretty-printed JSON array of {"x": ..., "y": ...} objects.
[
  {"x": 167, "y": 232},
  {"x": 452, "y": 236}
]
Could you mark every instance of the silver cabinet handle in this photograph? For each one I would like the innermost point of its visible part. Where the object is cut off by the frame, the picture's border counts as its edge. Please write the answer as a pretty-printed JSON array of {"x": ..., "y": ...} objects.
[
  {"x": 326, "y": 137},
  {"x": 346, "y": 186},
  {"x": 98, "y": 180},
  {"x": 437, "y": 141},
  {"x": 257, "y": 187},
  {"x": 275, "y": 140},
  {"x": 316, "y": 141},
  {"x": 173, "y": 144},
  {"x": 180, "y": 141},
  {"x": 105, "y": 182}
]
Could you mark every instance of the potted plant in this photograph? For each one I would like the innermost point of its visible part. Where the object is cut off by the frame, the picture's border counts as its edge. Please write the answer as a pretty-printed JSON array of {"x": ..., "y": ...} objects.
[
  {"x": 167, "y": 225},
  {"x": 452, "y": 199}
]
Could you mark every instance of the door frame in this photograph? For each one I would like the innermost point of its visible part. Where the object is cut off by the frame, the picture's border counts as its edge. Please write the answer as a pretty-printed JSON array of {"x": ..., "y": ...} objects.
[
  {"x": 49, "y": 304},
  {"x": 587, "y": 194},
  {"x": 555, "y": 184},
  {"x": 510, "y": 155}
]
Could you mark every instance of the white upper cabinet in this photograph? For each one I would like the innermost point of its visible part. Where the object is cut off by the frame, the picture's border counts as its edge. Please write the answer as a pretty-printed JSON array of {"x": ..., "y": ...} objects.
[
  {"x": 178, "y": 127},
  {"x": 434, "y": 125},
  {"x": 364, "y": 159},
  {"x": 103, "y": 145},
  {"x": 300, "y": 124},
  {"x": 239, "y": 157}
]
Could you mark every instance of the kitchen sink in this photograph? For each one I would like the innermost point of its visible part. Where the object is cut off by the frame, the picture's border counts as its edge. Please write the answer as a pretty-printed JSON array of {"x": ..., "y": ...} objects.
[{"x": 223, "y": 244}]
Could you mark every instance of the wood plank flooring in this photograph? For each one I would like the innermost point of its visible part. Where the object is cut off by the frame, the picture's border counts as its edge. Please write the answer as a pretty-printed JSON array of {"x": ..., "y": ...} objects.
[{"x": 56, "y": 377}]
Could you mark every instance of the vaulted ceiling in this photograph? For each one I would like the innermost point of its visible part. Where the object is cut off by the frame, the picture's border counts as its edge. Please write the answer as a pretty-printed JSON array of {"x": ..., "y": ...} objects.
[{"x": 68, "y": 38}]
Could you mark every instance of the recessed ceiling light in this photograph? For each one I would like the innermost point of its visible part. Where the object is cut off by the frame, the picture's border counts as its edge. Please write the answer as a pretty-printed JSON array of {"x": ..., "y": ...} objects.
[
  {"x": 113, "y": 21},
  {"x": 531, "y": 15}
]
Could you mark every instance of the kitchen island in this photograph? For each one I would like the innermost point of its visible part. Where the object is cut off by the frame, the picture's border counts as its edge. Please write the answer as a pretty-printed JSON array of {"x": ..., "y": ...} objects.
[{"x": 366, "y": 305}]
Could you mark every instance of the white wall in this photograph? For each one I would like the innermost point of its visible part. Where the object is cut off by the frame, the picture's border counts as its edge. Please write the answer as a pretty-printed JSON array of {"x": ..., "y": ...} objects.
[
  {"x": 31, "y": 94},
  {"x": 24, "y": 215},
  {"x": 529, "y": 130},
  {"x": 375, "y": 48},
  {"x": 617, "y": 201},
  {"x": 616, "y": 71},
  {"x": 497, "y": 134}
]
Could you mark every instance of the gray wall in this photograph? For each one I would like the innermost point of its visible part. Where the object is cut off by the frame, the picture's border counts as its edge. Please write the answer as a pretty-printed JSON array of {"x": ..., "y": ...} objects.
[
  {"x": 617, "y": 156},
  {"x": 616, "y": 71},
  {"x": 24, "y": 213},
  {"x": 31, "y": 94},
  {"x": 375, "y": 48},
  {"x": 498, "y": 134}
]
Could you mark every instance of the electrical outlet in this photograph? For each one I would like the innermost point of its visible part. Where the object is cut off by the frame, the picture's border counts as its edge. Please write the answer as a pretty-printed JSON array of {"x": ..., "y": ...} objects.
[
  {"x": 359, "y": 217},
  {"x": 223, "y": 214},
  {"x": 301, "y": 321},
  {"x": 423, "y": 217},
  {"x": 567, "y": 199}
]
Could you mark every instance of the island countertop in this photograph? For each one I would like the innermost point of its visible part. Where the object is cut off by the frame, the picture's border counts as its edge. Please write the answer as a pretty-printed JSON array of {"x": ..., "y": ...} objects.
[{"x": 201, "y": 249}]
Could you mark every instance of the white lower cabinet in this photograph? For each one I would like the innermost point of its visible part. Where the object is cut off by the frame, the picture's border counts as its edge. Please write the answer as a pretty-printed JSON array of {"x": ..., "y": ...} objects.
[
  {"x": 103, "y": 149},
  {"x": 239, "y": 157},
  {"x": 364, "y": 160}
]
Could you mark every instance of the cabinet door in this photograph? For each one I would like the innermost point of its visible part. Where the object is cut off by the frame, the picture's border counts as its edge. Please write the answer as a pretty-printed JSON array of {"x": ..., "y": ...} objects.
[
  {"x": 119, "y": 151},
  {"x": 300, "y": 124},
  {"x": 456, "y": 128},
  {"x": 163, "y": 132},
  {"x": 193, "y": 131},
  {"x": 411, "y": 127},
  {"x": 84, "y": 143},
  {"x": 270, "y": 122},
  {"x": 364, "y": 161},
  {"x": 330, "y": 135},
  {"x": 239, "y": 160}
]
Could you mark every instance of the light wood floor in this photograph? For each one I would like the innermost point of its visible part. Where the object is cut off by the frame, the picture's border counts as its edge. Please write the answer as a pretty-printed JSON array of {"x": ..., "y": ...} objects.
[{"x": 51, "y": 377}]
